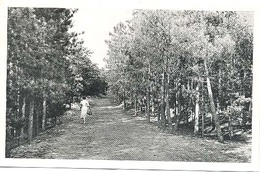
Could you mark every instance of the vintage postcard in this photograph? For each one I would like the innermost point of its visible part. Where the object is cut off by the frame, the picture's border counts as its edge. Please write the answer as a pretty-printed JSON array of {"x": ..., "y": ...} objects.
[{"x": 130, "y": 85}]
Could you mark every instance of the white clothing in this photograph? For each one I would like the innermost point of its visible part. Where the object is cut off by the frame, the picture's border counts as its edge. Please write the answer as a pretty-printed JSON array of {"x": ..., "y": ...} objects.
[{"x": 84, "y": 108}]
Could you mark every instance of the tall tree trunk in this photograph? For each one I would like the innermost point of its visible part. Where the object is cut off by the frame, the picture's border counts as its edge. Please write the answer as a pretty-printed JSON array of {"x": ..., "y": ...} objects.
[
  {"x": 152, "y": 101},
  {"x": 156, "y": 100},
  {"x": 189, "y": 106},
  {"x": 44, "y": 109},
  {"x": 37, "y": 121},
  {"x": 148, "y": 95},
  {"x": 18, "y": 90},
  {"x": 18, "y": 103},
  {"x": 159, "y": 115},
  {"x": 152, "y": 96},
  {"x": 192, "y": 102},
  {"x": 219, "y": 88},
  {"x": 23, "y": 113},
  {"x": 196, "y": 124},
  {"x": 17, "y": 114},
  {"x": 204, "y": 112},
  {"x": 202, "y": 124},
  {"x": 163, "y": 118},
  {"x": 135, "y": 103},
  {"x": 124, "y": 103},
  {"x": 117, "y": 96},
  {"x": 148, "y": 104},
  {"x": 243, "y": 91},
  {"x": 167, "y": 102},
  {"x": 229, "y": 128},
  {"x": 212, "y": 106},
  {"x": 177, "y": 107},
  {"x": 30, "y": 124}
]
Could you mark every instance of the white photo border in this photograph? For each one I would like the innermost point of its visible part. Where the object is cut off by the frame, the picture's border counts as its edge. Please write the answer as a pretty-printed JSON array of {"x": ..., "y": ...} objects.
[{"x": 230, "y": 5}]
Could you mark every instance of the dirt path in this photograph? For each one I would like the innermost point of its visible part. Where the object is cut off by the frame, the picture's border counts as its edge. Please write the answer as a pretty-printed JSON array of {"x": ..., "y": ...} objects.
[{"x": 110, "y": 134}]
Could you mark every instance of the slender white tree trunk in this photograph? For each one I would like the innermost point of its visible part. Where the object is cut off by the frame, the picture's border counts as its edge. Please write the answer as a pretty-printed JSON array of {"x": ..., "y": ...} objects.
[
  {"x": 196, "y": 125},
  {"x": 212, "y": 106},
  {"x": 135, "y": 103},
  {"x": 44, "y": 113},
  {"x": 167, "y": 108},
  {"x": 30, "y": 126},
  {"x": 23, "y": 112},
  {"x": 163, "y": 118}
]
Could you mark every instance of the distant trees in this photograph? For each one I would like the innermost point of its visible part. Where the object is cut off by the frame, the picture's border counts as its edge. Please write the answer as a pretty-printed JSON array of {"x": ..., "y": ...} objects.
[
  {"x": 184, "y": 66},
  {"x": 46, "y": 66}
]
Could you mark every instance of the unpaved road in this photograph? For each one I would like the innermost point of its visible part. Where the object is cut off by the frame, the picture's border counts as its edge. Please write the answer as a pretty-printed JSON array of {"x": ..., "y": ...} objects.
[{"x": 111, "y": 134}]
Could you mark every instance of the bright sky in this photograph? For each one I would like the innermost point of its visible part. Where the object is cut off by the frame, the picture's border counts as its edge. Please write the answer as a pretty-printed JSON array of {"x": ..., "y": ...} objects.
[{"x": 97, "y": 23}]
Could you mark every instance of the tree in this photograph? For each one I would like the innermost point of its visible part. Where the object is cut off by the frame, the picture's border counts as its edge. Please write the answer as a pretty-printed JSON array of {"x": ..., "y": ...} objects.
[
  {"x": 44, "y": 62},
  {"x": 172, "y": 56}
]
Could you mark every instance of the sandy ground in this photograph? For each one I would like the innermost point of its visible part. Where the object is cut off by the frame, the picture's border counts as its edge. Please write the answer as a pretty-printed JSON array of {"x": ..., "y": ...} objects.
[{"x": 111, "y": 134}]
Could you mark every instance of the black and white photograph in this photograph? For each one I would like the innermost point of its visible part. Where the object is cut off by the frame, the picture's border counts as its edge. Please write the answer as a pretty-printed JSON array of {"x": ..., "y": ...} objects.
[{"x": 127, "y": 87}]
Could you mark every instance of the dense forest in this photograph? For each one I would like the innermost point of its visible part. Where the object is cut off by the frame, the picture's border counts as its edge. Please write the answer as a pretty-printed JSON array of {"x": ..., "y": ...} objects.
[
  {"x": 190, "y": 70},
  {"x": 186, "y": 71},
  {"x": 47, "y": 67}
]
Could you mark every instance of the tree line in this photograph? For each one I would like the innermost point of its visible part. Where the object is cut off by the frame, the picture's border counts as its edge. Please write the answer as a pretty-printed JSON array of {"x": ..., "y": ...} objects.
[
  {"x": 190, "y": 69},
  {"x": 47, "y": 67}
]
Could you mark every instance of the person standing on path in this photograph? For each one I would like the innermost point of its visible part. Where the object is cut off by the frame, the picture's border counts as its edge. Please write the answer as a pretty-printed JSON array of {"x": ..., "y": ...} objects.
[{"x": 84, "y": 107}]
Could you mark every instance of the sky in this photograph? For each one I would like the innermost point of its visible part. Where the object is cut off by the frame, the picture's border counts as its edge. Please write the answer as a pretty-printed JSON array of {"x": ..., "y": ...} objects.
[{"x": 97, "y": 23}]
